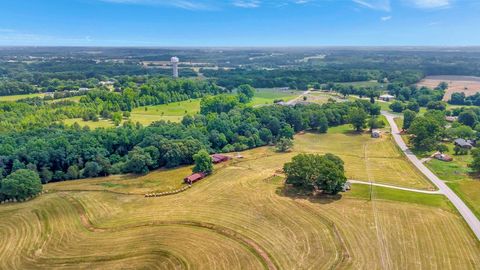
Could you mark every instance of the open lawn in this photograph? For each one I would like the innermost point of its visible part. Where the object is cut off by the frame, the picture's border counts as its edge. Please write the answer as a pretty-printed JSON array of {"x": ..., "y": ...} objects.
[
  {"x": 459, "y": 178},
  {"x": 469, "y": 191},
  {"x": 169, "y": 112},
  {"x": 18, "y": 97},
  {"x": 377, "y": 160},
  {"x": 92, "y": 124},
  {"x": 241, "y": 217},
  {"x": 266, "y": 96}
]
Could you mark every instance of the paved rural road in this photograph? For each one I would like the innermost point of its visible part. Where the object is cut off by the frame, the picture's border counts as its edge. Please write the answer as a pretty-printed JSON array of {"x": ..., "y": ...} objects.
[
  {"x": 395, "y": 187},
  {"x": 467, "y": 214}
]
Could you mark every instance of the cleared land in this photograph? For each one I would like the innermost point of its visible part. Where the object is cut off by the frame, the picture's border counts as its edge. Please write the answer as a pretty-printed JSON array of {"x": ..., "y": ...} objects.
[
  {"x": 241, "y": 217},
  {"x": 456, "y": 84}
]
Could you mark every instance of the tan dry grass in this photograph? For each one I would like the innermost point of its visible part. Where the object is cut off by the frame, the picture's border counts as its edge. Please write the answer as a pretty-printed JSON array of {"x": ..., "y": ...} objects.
[{"x": 238, "y": 218}]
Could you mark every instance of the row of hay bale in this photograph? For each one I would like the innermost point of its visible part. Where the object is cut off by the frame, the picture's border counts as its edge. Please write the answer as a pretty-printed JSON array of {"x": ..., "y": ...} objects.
[
  {"x": 150, "y": 195},
  {"x": 14, "y": 200}
]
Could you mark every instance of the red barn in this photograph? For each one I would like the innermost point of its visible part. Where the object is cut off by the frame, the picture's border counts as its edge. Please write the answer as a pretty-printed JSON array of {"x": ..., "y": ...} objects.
[
  {"x": 217, "y": 158},
  {"x": 194, "y": 178}
]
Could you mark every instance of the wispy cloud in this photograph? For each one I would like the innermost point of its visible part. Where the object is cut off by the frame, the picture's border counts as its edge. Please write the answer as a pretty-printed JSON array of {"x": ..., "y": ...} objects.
[
  {"x": 184, "y": 4},
  {"x": 212, "y": 4},
  {"x": 428, "y": 4},
  {"x": 383, "y": 5},
  {"x": 247, "y": 3},
  {"x": 386, "y": 18}
]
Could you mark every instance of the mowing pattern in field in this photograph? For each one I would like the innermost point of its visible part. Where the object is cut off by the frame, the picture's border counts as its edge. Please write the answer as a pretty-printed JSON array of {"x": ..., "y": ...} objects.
[{"x": 238, "y": 218}]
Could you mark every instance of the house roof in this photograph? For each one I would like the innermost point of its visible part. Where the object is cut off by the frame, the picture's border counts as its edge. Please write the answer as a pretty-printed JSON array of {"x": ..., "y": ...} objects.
[
  {"x": 195, "y": 176},
  {"x": 462, "y": 142}
]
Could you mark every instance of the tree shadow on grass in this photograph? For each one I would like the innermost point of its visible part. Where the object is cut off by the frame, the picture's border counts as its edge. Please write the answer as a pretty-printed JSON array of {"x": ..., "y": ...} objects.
[{"x": 297, "y": 193}]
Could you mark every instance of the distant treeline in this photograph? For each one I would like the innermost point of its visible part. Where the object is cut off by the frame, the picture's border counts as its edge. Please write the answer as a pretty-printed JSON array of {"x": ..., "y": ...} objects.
[
  {"x": 136, "y": 91},
  {"x": 304, "y": 78},
  {"x": 68, "y": 74}
]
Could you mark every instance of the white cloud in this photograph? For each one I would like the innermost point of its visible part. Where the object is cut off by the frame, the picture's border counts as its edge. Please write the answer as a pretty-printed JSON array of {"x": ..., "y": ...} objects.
[
  {"x": 247, "y": 3},
  {"x": 383, "y": 5},
  {"x": 427, "y": 4},
  {"x": 386, "y": 18}
]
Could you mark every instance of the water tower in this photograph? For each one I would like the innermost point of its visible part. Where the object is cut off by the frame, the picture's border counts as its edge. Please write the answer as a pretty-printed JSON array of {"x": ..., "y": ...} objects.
[{"x": 174, "y": 62}]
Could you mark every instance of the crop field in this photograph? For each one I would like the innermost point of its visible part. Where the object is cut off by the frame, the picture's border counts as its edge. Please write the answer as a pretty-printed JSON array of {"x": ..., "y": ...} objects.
[
  {"x": 466, "y": 84},
  {"x": 241, "y": 217},
  {"x": 18, "y": 97}
]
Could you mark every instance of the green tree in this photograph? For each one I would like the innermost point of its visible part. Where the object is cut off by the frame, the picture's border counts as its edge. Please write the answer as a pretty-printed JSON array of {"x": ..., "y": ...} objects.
[
  {"x": 117, "y": 118},
  {"x": 426, "y": 131},
  {"x": 442, "y": 148},
  {"x": 92, "y": 169},
  {"x": 21, "y": 184},
  {"x": 468, "y": 118},
  {"x": 138, "y": 161},
  {"x": 73, "y": 172},
  {"x": 287, "y": 132},
  {"x": 245, "y": 93},
  {"x": 357, "y": 117},
  {"x": 437, "y": 105},
  {"x": 315, "y": 172},
  {"x": 284, "y": 144},
  {"x": 203, "y": 162},
  {"x": 475, "y": 165},
  {"x": 397, "y": 106},
  {"x": 408, "y": 117}
]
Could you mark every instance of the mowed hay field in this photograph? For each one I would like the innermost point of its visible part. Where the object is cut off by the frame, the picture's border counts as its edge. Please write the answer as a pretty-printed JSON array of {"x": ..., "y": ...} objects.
[
  {"x": 466, "y": 84},
  {"x": 241, "y": 217}
]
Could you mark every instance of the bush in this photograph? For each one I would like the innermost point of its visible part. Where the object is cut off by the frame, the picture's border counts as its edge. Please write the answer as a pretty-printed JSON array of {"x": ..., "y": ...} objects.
[{"x": 21, "y": 185}]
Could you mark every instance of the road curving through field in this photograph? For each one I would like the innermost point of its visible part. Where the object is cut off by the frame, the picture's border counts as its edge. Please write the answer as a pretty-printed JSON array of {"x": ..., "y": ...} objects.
[{"x": 462, "y": 208}]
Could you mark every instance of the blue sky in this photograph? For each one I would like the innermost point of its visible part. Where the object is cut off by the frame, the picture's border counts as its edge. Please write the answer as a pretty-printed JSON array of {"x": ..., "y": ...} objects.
[{"x": 239, "y": 22}]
